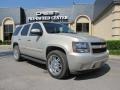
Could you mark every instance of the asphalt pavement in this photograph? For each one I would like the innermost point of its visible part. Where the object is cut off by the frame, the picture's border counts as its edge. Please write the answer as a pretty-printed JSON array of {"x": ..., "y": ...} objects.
[{"x": 28, "y": 75}]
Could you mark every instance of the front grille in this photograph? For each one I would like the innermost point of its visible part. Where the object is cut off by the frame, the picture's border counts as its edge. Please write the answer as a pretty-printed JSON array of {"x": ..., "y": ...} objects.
[
  {"x": 99, "y": 50},
  {"x": 98, "y": 43},
  {"x": 98, "y": 47}
]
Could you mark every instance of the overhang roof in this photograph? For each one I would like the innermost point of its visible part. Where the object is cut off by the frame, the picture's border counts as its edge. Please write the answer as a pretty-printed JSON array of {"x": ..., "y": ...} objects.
[
  {"x": 94, "y": 11},
  {"x": 82, "y": 9},
  {"x": 100, "y": 6}
]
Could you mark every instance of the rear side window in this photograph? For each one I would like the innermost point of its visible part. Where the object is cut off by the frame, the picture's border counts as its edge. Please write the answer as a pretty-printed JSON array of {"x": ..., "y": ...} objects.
[
  {"x": 17, "y": 31},
  {"x": 25, "y": 30}
]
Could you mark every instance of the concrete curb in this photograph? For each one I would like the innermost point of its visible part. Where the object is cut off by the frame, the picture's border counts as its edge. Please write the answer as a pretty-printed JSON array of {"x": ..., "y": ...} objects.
[
  {"x": 114, "y": 57},
  {"x": 5, "y": 47}
]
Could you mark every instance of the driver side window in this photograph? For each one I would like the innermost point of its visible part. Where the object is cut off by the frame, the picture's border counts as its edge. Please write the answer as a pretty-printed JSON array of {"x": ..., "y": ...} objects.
[{"x": 35, "y": 26}]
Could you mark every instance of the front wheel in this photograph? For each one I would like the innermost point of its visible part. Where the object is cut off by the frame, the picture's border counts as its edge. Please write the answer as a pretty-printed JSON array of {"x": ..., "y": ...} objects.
[{"x": 57, "y": 64}]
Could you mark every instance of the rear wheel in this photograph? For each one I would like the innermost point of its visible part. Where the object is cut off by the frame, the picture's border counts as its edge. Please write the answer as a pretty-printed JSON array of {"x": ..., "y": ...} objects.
[
  {"x": 57, "y": 64},
  {"x": 16, "y": 53}
]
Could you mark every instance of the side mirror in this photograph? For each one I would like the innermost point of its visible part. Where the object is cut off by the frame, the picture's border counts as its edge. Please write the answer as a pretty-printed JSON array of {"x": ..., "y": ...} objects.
[{"x": 36, "y": 32}]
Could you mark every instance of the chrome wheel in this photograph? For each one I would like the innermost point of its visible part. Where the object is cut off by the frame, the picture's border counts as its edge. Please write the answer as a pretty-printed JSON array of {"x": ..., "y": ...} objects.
[{"x": 55, "y": 65}]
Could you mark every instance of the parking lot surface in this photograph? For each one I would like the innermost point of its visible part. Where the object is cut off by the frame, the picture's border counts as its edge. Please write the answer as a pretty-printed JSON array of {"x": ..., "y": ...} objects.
[{"x": 28, "y": 75}]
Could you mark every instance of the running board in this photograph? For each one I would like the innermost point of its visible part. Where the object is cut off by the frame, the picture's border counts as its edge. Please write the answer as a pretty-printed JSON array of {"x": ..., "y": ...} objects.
[{"x": 34, "y": 59}]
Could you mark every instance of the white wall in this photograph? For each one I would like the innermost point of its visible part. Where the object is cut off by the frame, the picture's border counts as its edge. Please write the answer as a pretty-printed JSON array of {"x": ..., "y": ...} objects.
[{"x": 108, "y": 25}]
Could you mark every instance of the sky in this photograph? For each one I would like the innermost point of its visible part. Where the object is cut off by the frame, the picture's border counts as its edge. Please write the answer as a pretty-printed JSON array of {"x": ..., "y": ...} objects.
[{"x": 41, "y": 3}]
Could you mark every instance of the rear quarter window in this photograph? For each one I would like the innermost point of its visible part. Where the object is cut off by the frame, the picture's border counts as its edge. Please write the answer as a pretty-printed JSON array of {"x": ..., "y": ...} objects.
[{"x": 17, "y": 31}]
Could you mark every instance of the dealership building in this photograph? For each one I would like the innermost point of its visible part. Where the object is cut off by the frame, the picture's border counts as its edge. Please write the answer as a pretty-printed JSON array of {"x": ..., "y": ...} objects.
[{"x": 101, "y": 19}]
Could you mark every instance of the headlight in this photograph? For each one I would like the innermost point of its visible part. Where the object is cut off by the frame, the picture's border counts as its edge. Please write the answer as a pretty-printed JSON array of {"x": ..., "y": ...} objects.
[{"x": 81, "y": 47}]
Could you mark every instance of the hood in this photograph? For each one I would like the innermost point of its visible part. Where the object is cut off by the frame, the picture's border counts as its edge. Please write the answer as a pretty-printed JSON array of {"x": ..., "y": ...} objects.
[{"x": 83, "y": 37}]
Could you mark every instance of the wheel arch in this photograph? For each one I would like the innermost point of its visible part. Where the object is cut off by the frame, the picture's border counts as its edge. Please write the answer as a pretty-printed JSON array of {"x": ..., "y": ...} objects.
[
  {"x": 51, "y": 48},
  {"x": 14, "y": 44}
]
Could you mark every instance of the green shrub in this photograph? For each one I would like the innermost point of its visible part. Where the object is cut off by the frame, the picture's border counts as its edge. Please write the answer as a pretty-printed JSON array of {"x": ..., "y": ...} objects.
[
  {"x": 6, "y": 42},
  {"x": 114, "y": 52},
  {"x": 0, "y": 42},
  {"x": 113, "y": 44},
  {"x": 114, "y": 47}
]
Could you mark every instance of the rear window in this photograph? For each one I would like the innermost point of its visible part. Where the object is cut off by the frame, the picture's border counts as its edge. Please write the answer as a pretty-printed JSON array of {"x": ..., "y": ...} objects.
[{"x": 17, "y": 31}]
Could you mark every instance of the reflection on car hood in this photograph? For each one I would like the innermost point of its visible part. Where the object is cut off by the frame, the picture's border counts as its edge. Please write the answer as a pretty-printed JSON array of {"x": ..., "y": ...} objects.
[{"x": 83, "y": 37}]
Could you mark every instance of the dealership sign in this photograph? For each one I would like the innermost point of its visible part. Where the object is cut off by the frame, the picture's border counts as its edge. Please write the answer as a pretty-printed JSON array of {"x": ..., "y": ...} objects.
[{"x": 48, "y": 16}]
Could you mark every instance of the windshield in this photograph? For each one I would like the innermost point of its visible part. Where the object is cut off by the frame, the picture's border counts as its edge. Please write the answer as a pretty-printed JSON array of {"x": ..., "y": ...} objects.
[{"x": 57, "y": 28}]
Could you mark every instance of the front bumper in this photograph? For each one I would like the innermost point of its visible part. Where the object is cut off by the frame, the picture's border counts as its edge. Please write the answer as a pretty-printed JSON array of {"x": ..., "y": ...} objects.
[{"x": 85, "y": 61}]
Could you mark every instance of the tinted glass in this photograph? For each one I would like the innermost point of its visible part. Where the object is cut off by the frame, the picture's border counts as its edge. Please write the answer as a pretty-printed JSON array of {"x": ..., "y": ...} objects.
[
  {"x": 17, "y": 30},
  {"x": 35, "y": 26},
  {"x": 25, "y": 30},
  {"x": 57, "y": 28}
]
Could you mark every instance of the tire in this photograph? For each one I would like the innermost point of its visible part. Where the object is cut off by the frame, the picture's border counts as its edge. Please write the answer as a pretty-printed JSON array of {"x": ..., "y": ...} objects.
[
  {"x": 57, "y": 64},
  {"x": 16, "y": 53}
]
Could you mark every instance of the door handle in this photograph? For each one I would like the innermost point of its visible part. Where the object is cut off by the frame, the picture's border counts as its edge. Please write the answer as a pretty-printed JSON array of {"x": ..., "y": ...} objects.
[{"x": 28, "y": 40}]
